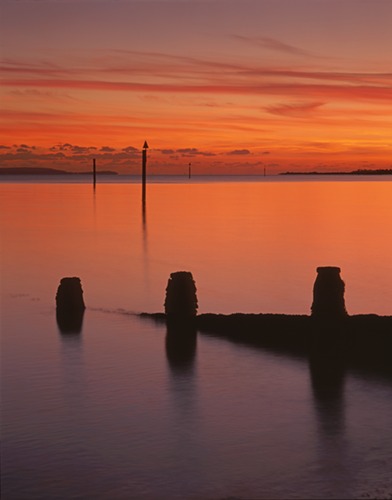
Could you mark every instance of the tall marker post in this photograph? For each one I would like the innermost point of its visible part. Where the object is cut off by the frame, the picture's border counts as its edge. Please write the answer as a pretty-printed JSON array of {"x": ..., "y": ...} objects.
[{"x": 144, "y": 168}]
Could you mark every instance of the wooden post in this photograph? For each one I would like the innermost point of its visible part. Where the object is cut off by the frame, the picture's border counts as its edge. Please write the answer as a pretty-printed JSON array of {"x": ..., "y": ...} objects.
[
  {"x": 94, "y": 173},
  {"x": 328, "y": 294},
  {"x": 181, "y": 298},
  {"x": 70, "y": 305},
  {"x": 189, "y": 170},
  {"x": 144, "y": 170}
]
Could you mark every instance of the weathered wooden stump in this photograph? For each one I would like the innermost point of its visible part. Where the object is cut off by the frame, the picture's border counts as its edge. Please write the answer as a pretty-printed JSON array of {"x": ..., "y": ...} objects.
[
  {"x": 70, "y": 305},
  {"x": 69, "y": 295},
  {"x": 181, "y": 299},
  {"x": 328, "y": 294},
  {"x": 329, "y": 341}
]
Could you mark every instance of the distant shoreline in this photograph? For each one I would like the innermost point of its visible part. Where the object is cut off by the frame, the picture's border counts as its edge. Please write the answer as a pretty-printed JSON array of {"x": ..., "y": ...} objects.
[
  {"x": 48, "y": 171},
  {"x": 353, "y": 172},
  {"x": 53, "y": 172}
]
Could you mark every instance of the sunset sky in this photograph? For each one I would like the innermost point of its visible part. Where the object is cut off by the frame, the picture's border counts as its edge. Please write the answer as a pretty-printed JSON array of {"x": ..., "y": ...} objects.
[{"x": 230, "y": 86}]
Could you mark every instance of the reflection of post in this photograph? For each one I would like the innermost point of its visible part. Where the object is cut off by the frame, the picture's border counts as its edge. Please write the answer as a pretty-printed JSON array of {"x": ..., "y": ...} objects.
[
  {"x": 327, "y": 382},
  {"x": 74, "y": 393},
  {"x": 182, "y": 369},
  {"x": 181, "y": 347},
  {"x": 144, "y": 170},
  {"x": 144, "y": 226},
  {"x": 94, "y": 173}
]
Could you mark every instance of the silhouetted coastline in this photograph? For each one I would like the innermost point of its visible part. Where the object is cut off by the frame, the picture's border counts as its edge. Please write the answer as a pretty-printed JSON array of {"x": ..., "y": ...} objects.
[
  {"x": 48, "y": 171},
  {"x": 353, "y": 172}
]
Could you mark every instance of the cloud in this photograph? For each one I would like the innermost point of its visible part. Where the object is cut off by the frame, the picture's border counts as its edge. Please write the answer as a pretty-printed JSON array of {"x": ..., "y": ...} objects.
[
  {"x": 23, "y": 150},
  {"x": 189, "y": 152},
  {"x": 273, "y": 44},
  {"x": 107, "y": 149},
  {"x": 66, "y": 156},
  {"x": 297, "y": 110},
  {"x": 35, "y": 94},
  {"x": 81, "y": 149},
  {"x": 34, "y": 159},
  {"x": 130, "y": 149},
  {"x": 4, "y": 147},
  {"x": 167, "y": 151},
  {"x": 239, "y": 152},
  {"x": 148, "y": 74},
  {"x": 73, "y": 149},
  {"x": 295, "y": 87}
]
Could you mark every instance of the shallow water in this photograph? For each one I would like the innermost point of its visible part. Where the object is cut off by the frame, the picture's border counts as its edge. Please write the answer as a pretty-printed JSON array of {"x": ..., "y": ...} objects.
[{"x": 110, "y": 413}]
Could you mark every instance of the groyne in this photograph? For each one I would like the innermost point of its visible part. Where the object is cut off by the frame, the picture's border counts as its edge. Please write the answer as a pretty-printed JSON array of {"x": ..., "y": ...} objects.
[
  {"x": 364, "y": 341},
  {"x": 329, "y": 335}
]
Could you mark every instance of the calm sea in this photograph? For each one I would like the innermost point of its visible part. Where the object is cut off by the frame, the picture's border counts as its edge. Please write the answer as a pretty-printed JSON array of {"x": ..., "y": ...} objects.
[{"x": 109, "y": 414}]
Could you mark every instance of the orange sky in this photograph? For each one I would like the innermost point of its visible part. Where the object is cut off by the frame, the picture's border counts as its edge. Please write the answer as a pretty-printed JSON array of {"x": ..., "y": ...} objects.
[{"x": 230, "y": 86}]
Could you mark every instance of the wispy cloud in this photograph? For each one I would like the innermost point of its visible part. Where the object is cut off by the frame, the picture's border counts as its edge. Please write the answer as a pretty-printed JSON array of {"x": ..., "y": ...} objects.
[
  {"x": 175, "y": 68},
  {"x": 153, "y": 73},
  {"x": 297, "y": 110},
  {"x": 293, "y": 88},
  {"x": 273, "y": 44}
]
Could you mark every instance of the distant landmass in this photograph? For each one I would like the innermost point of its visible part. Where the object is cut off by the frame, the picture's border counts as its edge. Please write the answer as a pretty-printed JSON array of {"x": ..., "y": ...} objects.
[
  {"x": 48, "y": 171},
  {"x": 353, "y": 172},
  {"x": 54, "y": 171}
]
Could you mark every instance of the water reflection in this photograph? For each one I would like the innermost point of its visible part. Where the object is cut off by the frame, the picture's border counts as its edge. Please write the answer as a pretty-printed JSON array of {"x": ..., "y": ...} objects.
[
  {"x": 94, "y": 206},
  {"x": 70, "y": 324},
  {"x": 74, "y": 387},
  {"x": 328, "y": 380},
  {"x": 180, "y": 345},
  {"x": 144, "y": 226},
  {"x": 327, "y": 376}
]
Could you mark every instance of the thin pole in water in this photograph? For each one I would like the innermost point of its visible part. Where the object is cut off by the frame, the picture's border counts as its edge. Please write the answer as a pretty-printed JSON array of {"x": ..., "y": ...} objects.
[
  {"x": 189, "y": 170},
  {"x": 144, "y": 169},
  {"x": 94, "y": 173}
]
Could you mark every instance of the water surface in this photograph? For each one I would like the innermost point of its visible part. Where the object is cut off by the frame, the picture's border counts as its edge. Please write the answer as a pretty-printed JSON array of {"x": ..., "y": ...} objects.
[{"x": 109, "y": 413}]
